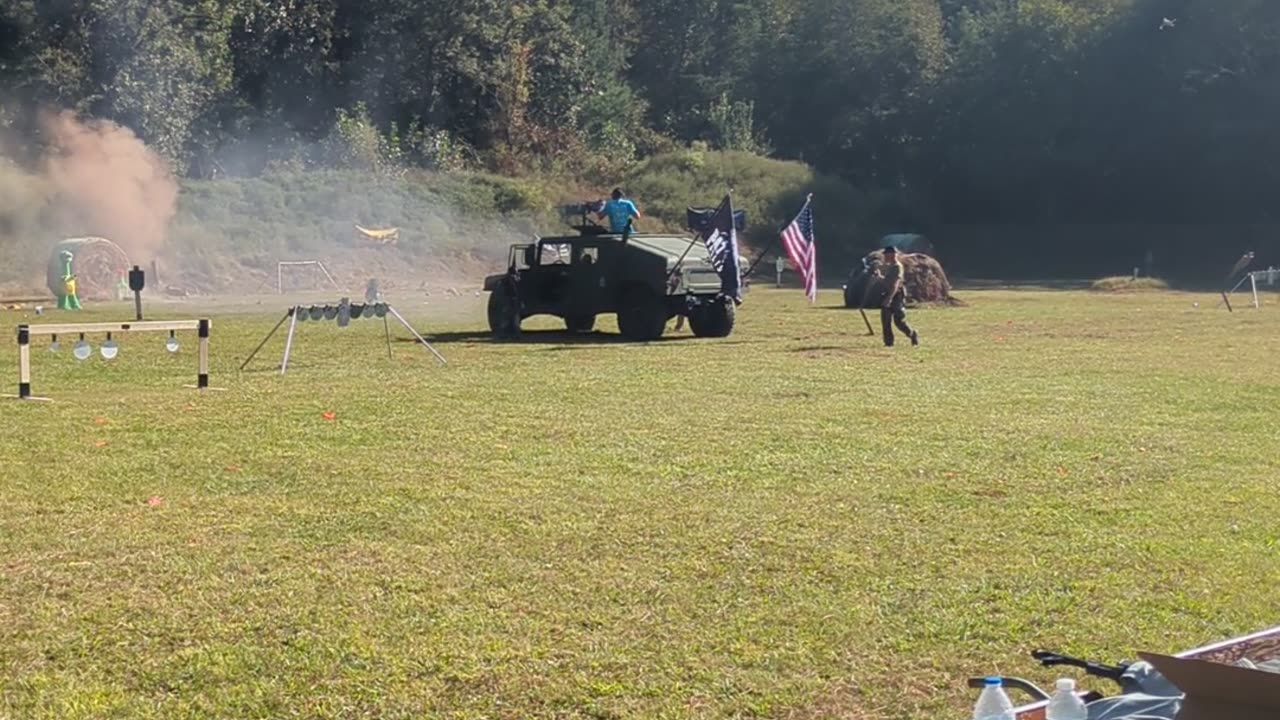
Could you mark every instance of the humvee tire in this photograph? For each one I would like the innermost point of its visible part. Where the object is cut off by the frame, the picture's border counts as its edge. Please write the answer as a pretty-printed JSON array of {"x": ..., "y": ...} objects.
[
  {"x": 580, "y": 323},
  {"x": 713, "y": 320},
  {"x": 500, "y": 313},
  {"x": 643, "y": 315}
]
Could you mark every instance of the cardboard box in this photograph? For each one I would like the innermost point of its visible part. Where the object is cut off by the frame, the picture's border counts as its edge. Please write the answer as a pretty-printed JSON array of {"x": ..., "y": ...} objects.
[{"x": 1220, "y": 692}]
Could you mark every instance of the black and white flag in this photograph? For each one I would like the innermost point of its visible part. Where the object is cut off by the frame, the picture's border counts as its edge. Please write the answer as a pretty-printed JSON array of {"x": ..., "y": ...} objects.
[{"x": 721, "y": 238}]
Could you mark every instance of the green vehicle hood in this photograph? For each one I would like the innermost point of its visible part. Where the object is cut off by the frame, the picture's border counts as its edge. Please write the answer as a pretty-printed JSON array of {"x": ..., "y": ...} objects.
[
  {"x": 673, "y": 247},
  {"x": 698, "y": 275}
]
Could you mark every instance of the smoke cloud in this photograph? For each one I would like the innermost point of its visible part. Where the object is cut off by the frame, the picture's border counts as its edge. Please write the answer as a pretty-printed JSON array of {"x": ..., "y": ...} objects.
[{"x": 109, "y": 183}]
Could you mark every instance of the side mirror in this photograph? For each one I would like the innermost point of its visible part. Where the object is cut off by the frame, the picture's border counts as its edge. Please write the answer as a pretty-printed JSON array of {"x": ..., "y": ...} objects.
[{"x": 530, "y": 256}]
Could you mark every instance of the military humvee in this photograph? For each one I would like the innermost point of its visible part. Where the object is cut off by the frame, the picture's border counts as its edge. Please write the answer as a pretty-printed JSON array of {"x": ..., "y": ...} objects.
[{"x": 641, "y": 278}]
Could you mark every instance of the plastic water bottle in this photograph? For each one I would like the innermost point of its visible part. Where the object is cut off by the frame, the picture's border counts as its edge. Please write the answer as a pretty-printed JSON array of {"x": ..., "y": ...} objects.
[
  {"x": 1065, "y": 704},
  {"x": 993, "y": 703}
]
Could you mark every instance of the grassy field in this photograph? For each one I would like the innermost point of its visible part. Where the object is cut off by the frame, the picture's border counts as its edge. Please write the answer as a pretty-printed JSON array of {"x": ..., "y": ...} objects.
[{"x": 791, "y": 523}]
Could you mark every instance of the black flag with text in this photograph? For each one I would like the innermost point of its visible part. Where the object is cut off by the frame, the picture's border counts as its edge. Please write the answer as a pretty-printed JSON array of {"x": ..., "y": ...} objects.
[{"x": 721, "y": 238}]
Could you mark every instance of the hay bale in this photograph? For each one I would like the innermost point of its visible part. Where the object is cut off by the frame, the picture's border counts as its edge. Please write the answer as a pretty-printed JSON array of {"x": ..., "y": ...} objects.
[
  {"x": 926, "y": 282},
  {"x": 98, "y": 265}
]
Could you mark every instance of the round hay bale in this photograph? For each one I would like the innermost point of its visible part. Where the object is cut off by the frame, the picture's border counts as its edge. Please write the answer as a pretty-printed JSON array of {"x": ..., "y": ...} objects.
[
  {"x": 98, "y": 265},
  {"x": 926, "y": 282}
]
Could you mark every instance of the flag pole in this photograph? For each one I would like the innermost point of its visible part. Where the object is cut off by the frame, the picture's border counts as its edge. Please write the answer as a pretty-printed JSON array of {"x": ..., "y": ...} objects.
[
  {"x": 768, "y": 248},
  {"x": 694, "y": 241},
  {"x": 683, "y": 255}
]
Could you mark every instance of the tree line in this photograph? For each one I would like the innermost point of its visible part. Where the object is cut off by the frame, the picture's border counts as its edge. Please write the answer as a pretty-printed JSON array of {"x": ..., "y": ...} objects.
[{"x": 942, "y": 111}]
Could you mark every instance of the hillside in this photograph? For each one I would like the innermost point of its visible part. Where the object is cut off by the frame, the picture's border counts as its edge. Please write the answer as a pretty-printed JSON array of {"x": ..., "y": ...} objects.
[{"x": 228, "y": 235}]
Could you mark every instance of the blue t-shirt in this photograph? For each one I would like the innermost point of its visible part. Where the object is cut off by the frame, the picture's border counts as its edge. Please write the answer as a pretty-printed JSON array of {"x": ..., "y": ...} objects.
[{"x": 619, "y": 212}]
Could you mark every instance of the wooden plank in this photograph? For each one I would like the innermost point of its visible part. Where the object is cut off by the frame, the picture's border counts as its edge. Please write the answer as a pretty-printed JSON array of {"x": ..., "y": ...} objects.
[
  {"x": 1259, "y": 647},
  {"x": 24, "y": 364},
  {"x": 203, "y": 368},
  {"x": 143, "y": 326}
]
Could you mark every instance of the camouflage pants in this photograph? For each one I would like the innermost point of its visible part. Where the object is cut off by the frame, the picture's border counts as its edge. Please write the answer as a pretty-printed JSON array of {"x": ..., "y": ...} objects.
[{"x": 895, "y": 314}]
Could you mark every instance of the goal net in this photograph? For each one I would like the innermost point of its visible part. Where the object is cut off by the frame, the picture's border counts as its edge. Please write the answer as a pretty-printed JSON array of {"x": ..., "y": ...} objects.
[{"x": 303, "y": 275}]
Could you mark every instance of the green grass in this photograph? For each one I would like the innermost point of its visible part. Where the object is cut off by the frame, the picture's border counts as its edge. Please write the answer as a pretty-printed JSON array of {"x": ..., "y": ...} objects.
[
  {"x": 1126, "y": 283},
  {"x": 604, "y": 530}
]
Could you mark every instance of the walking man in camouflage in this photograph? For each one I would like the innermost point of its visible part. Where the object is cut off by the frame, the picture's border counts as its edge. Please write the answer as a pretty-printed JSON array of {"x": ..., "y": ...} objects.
[{"x": 893, "y": 300}]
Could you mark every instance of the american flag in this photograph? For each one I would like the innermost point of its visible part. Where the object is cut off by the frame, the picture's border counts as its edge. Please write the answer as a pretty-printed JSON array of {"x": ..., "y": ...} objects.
[{"x": 798, "y": 239}]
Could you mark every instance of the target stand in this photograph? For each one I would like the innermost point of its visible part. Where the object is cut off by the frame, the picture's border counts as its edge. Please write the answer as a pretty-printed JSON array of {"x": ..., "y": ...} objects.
[
  {"x": 109, "y": 349},
  {"x": 343, "y": 313},
  {"x": 1268, "y": 276}
]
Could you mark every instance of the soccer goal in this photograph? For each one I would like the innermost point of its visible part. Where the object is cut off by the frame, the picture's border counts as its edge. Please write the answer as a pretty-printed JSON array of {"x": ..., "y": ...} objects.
[{"x": 302, "y": 268}]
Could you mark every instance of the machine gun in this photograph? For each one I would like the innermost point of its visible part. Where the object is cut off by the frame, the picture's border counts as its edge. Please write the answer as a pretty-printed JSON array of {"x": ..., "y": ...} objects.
[
  {"x": 698, "y": 218},
  {"x": 578, "y": 217}
]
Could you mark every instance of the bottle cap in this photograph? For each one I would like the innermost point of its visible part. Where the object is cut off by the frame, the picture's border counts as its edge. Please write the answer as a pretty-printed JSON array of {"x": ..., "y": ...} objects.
[
  {"x": 993, "y": 682},
  {"x": 1067, "y": 685}
]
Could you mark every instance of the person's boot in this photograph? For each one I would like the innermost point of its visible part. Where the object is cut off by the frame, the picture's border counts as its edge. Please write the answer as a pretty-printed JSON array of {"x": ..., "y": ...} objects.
[{"x": 915, "y": 337}]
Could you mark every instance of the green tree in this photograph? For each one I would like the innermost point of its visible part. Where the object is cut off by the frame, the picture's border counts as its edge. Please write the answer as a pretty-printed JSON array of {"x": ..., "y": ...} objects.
[{"x": 850, "y": 85}]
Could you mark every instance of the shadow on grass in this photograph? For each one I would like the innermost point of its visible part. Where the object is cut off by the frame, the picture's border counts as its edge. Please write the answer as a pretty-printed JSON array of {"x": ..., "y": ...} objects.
[
  {"x": 543, "y": 337},
  {"x": 824, "y": 348},
  {"x": 270, "y": 367},
  {"x": 1051, "y": 284}
]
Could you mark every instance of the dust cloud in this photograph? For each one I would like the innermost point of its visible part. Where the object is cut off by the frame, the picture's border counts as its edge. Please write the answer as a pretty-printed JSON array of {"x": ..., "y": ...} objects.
[{"x": 109, "y": 182}]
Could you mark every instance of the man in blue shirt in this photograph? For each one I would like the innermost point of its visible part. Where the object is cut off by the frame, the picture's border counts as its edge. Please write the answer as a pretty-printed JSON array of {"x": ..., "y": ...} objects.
[{"x": 620, "y": 211}]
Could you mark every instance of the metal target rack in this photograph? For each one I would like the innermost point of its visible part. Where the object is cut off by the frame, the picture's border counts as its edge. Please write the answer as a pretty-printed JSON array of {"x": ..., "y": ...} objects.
[
  {"x": 342, "y": 313},
  {"x": 1268, "y": 277},
  {"x": 109, "y": 349}
]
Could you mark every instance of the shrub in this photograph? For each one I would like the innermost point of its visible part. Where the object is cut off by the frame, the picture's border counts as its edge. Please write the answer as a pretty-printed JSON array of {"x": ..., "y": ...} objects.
[
  {"x": 1126, "y": 283},
  {"x": 770, "y": 191}
]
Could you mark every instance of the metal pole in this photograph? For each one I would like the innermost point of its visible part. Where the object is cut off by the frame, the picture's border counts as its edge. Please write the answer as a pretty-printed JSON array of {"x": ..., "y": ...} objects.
[
  {"x": 279, "y": 278},
  {"x": 263, "y": 344},
  {"x": 1253, "y": 282},
  {"x": 768, "y": 248},
  {"x": 386, "y": 327},
  {"x": 288, "y": 343},
  {"x": 807, "y": 201},
  {"x": 415, "y": 334},
  {"x": 683, "y": 255},
  {"x": 862, "y": 305},
  {"x": 24, "y": 362},
  {"x": 325, "y": 270},
  {"x": 1232, "y": 291},
  {"x": 202, "y": 378}
]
